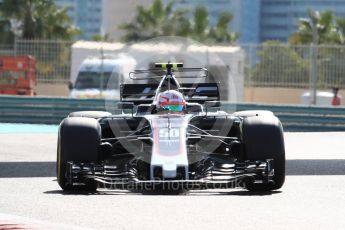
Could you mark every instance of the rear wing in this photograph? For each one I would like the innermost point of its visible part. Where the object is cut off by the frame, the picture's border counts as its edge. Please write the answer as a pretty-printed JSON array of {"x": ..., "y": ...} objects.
[{"x": 145, "y": 93}]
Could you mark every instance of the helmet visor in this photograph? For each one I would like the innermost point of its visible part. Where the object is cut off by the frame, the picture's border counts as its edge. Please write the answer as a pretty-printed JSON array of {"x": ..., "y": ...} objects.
[{"x": 175, "y": 108}]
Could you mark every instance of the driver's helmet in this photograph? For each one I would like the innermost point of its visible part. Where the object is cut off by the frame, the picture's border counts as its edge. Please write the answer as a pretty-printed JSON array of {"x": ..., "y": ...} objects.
[{"x": 171, "y": 100}]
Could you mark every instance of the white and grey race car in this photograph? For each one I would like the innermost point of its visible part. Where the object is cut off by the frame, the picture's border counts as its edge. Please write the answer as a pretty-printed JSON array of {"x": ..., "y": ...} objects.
[{"x": 170, "y": 136}]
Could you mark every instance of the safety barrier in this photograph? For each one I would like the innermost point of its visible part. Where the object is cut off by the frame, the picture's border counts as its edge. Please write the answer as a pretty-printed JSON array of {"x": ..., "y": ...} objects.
[
  {"x": 50, "y": 110},
  {"x": 303, "y": 118},
  {"x": 43, "y": 110}
]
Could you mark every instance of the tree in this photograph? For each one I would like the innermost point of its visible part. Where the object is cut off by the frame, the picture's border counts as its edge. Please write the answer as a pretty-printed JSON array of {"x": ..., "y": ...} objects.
[
  {"x": 340, "y": 23},
  {"x": 329, "y": 60},
  {"x": 100, "y": 37},
  {"x": 38, "y": 19},
  {"x": 150, "y": 22},
  {"x": 163, "y": 20},
  {"x": 318, "y": 26},
  {"x": 279, "y": 65},
  {"x": 221, "y": 32},
  {"x": 200, "y": 28},
  {"x": 7, "y": 36},
  {"x": 330, "y": 66}
]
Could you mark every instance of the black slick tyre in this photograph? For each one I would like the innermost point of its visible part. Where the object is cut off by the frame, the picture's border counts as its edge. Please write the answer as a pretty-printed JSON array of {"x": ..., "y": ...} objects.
[
  {"x": 78, "y": 141},
  {"x": 263, "y": 139}
]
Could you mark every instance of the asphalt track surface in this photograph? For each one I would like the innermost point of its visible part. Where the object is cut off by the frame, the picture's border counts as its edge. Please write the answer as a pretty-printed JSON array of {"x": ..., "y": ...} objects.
[{"x": 313, "y": 196}]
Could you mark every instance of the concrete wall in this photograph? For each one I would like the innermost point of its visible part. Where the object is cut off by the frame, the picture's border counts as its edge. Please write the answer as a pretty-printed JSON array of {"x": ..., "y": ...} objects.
[
  {"x": 277, "y": 95},
  {"x": 48, "y": 89}
]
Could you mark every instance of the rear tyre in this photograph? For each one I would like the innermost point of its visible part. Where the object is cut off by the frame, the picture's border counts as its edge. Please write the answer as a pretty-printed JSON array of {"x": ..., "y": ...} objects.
[
  {"x": 263, "y": 139},
  {"x": 78, "y": 141},
  {"x": 252, "y": 113},
  {"x": 90, "y": 114}
]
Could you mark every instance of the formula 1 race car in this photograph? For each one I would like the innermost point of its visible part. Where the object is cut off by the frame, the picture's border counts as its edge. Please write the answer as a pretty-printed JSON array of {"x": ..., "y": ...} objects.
[{"x": 170, "y": 136}]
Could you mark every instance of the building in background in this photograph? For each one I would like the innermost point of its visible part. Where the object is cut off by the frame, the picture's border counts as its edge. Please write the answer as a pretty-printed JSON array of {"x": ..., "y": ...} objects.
[
  {"x": 254, "y": 20},
  {"x": 279, "y": 18},
  {"x": 87, "y": 15},
  {"x": 246, "y": 15}
]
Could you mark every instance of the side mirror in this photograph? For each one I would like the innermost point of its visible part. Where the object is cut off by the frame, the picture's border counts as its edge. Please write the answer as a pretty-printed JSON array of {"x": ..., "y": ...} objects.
[
  {"x": 194, "y": 108},
  {"x": 70, "y": 85},
  {"x": 125, "y": 105},
  {"x": 212, "y": 104}
]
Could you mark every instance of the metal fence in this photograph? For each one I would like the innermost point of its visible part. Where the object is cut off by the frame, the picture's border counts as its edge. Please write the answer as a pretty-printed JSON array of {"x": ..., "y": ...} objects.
[
  {"x": 265, "y": 65},
  {"x": 6, "y": 50},
  {"x": 290, "y": 66},
  {"x": 53, "y": 58}
]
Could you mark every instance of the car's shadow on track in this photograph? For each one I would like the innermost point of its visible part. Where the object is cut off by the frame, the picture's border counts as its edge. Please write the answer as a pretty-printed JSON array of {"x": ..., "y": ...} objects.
[
  {"x": 235, "y": 192},
  {"x": 86, "y": 193},
  {"x": 229, "y": 192}
]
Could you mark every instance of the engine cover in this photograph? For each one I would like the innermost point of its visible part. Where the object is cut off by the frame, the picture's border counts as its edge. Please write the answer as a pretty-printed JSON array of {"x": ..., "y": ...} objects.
[{"x": 169, "y": 149}]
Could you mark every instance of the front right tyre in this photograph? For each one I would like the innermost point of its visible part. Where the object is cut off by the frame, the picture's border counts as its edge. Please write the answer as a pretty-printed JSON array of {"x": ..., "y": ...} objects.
[{"x": 263, "y": 139}]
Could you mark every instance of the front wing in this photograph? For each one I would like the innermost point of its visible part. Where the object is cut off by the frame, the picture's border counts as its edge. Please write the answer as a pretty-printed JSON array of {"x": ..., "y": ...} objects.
[{"x": 235, "y": 175}]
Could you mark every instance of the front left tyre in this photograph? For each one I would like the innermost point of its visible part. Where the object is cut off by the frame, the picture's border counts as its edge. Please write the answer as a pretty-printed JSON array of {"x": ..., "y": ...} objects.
[{"x": 78, "y": 141}]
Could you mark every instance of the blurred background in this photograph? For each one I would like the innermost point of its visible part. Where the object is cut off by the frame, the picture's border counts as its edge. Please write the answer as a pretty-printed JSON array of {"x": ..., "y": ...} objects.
[{"x": 277, "y": 51}]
